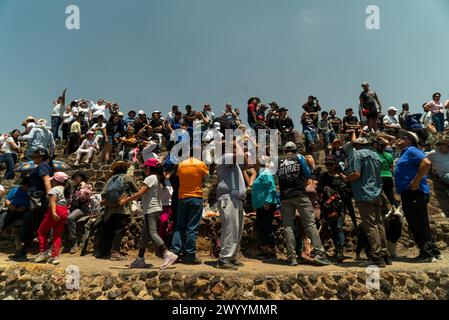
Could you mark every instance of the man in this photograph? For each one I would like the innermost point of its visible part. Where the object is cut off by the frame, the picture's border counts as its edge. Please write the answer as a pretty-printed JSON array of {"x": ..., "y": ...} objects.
[
  {"x": 39, "y": 137},
  {"x": 437, "y": 109},
  {"x": 192, "y": 173},
  {"x": 411, "y": 183},
  {"x": 56, "y": 114},
  {"x": 365, "y": 168},
  {"x": 350, "y": 122},
  {"x": 391, "y": 122},
  {"x": 261, "y": 111},
  {"x": 293, "y": 174},
  {"x": 28, "y": 120},
  {"x": 405, "y": 113},
  {"x": 312, "y": 106},
  {"x": 130, "y": 119},
  {"x": 231, "y": 192},
  {"x": 208, "y": 117},
  {"x": 440, "y": 159},
  {"x": 230, "y": 116},
  {"x": 286, "y": 127},
  {"x": 336, "y": 122},
  {"x": 326, "y": 129},
  {"x": 17, "y": 203},
  {"x": 272, "y": 115},
  {"x": 171, "y": 114},
  {"x": 371, "y": 103}
]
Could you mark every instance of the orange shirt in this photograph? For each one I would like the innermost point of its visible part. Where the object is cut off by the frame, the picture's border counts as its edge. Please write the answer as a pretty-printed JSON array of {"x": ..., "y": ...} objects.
[{"x": 191, "y": 173}]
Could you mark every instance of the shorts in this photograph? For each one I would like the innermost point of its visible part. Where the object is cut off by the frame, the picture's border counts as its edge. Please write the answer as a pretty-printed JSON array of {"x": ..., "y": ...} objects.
[{"x": 372, "y": 114}]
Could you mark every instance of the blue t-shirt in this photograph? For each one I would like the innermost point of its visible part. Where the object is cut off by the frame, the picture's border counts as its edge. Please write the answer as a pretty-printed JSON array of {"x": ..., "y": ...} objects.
[
  {"x": 406, "y": 169},
  {"x": 36, "y": 177},
  {"x": 18, "y": 197},
  {"x": 369, "y": 164}
]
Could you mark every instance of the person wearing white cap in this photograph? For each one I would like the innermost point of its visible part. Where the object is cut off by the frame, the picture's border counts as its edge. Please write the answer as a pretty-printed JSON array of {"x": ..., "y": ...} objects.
[
  {"x": 371, "y": 103},
  {"x": 38, "y": 137},
  {"x": 391, "y": 121},
  {"x": 89, "y": 146}
]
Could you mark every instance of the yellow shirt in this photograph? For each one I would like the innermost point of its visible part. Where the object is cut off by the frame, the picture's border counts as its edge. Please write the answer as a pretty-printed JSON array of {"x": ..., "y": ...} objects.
[
  {"x": 75, "y": 127},
  {"x": 191, "y": 173}
]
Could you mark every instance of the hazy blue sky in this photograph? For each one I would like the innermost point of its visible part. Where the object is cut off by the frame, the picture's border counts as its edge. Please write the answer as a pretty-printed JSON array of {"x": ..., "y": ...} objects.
[{"x": 153, "y": 54}]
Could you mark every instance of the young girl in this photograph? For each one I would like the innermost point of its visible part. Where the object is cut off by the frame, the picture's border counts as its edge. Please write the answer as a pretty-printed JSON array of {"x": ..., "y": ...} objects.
[
  {"x": 150, "y": 192},
  {"x": 54, "y": 218},
  {"x": 89, "y": 146}
]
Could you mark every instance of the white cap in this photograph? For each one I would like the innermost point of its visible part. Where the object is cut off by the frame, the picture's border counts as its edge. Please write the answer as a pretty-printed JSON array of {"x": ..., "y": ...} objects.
[
  {"x": 392, "y": 109},
  {"x": 141, "y": 112},
  {"x": 217, "y": 125},
  {"x": 290, "y": 146},
  {"x": 75, "y": 110}
]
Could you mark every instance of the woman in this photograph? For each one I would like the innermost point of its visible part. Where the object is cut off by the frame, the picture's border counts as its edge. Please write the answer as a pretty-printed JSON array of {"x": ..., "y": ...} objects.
[
  {"x": 40, "y": 186},
  {"x": 150, "y": 192},
  {"x": 67, "y": 117},
  {"x": 55, "y": 218},
  {"x": 264, "y": 199},
  {"x": 410, "y": 177},
  {"x": 128, "y": 144},
  {"x": 89, "y": 146},
  {"x": 10, "y": 156},
  {"x": 114, "y": 130},
  {"x": 437, "y": 109},
  {"x": 79, "y": 206},
  {"x": 330, "y": 188},
  {"x": 116, "y": 216}
]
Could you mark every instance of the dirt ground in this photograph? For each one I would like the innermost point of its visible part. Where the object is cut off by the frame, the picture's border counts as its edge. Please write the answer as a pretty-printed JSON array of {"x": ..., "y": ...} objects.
[{"x": 89, "y": 264}]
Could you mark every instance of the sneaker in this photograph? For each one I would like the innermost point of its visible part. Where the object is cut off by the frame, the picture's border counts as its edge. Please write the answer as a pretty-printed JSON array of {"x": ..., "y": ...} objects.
[
  {"x": 169, "y": 259},
  {"x": 439, "y": 256},
  {"x": 18, "y": 257},
  {"x": 237, "y": 263},
  {"x": 139, "y": 263},
  {"x": 270, "y": 258},
  {"x": 423, "y": 259},
  {"x": 226, "y": 265},
  {"x": 378, "y": 262},
  {"x": 321, "y": 261},
  {"x": 388, "y": 260},
  {"x": 74, "y": 248},
  {"x": 42, "y": 257},
  {"x": 292, "y": 262},
  {"x": 54, "y": 261}
]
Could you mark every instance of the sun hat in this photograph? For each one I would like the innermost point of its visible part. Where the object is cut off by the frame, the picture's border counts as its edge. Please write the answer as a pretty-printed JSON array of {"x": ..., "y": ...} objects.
[
  {"x": 290, "y": 146},
  {"x": 392, "y": 109},
  {"x": 28, "y": 119},
  {"x": 119, "y": 164},
  {"x": 407, "y": 134},
  {"x": 61, "y": 177},
  {"x": 90, "y": 132}
]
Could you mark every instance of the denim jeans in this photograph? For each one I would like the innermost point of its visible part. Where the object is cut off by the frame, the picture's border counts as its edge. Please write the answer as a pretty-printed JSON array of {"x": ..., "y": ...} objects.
[
  {"x": 264, "y": 225},
  {"x": 328, "y": 137},
  {"x": 337, "y": 232},
  {"x": 10, "y": 159},
  {"x": 55, "y": 124},
  {"x": 438, "y": 120},
  {"x": 188, "y": 217}
]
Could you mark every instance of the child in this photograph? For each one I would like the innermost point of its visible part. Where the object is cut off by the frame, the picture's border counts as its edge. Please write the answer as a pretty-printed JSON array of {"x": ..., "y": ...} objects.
[
  {"x": 54, "y": 218},
  {"x": 166, "y": 223},
  {"x": 150, "y": 192},
  {"x": 89, "y": 146}
]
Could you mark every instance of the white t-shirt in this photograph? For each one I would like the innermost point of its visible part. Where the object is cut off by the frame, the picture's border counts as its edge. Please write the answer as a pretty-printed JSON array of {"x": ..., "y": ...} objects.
[
  {"x": 151, "y": 200},
  {"x": 436, "y": 107},
  {"x": 7, "y": 146},
  {"x": 98, "y": 110},
  {"x": 67, "y": 117},
  {"x": 166, "y": 193},
  {"x": 58, "y": 110},
  {"x": 97, "y": 126},
  {"x": 391, "y": 120},
  {"x": 427, "y": 118},
  {"x": 147, "y": 153},
  {"x": 1, "y": 188},
  {"x": 86, "y": 112},
  {"x": 87, "y": 144},
  {"x": 440, "y": 162}
]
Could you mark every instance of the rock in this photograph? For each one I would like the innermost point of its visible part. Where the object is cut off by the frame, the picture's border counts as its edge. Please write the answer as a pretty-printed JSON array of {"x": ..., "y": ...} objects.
[
  {"x": 156, "y": 294},
  {"x": 165, "y": 288},
  {"x": 272, "y": 285},
  {"x": 229, "y": 281},
  {"x": 343, "y": 285},
  {"x": 412, "y": 286},
  {"x": 11, "y": 279},
  {"x": 190, "y": 281},
  {"x": 129, "y": 296},
  {"x": 174, "y": 296},
  {"x": 309, "y": 292},
  {"x": 261, "y": 291},
  {"x": 258, "y": 280},
  {"x": 204, "y": 275},
  {"x": 95, "y": 294},
  {"x": 165, "y": 276},
  {"x": 285, "y": 286},
  {"x": 298, "y": 292},
  {"x": 108, "y": 283},
  {"x": 137, "y": 287},
  {"x": 420, "y": 278},
  {"x": 151, "y": 284},
  {"x": 218, "y": 289}
]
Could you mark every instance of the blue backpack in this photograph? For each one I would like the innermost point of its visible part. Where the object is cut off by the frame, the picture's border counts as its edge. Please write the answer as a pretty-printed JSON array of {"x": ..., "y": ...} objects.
[{"x": 115, "y": 188}]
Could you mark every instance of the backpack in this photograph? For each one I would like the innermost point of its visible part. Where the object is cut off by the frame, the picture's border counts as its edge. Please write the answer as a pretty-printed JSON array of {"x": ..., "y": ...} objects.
[
  {"x": 332, "y": 205},
  {"x": 115, "y": 188}
]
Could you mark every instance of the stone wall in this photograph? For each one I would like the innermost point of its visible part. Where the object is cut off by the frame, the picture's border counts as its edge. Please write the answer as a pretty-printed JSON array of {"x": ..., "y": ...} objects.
[{"x": 48, "y": 283}]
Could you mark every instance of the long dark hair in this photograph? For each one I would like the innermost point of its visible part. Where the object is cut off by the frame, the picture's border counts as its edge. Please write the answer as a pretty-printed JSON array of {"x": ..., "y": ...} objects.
[
  {"x": 159, "y": 172},
  {"x": 12, "y": 133}
]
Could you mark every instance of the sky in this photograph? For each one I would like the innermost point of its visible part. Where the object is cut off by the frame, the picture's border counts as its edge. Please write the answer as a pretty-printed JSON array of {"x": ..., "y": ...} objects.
[{"x": 152, "y": 54}]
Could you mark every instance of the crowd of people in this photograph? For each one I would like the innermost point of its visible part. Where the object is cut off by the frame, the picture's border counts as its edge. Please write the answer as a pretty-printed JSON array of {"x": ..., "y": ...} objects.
[{"x": 373, "y": 161}]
